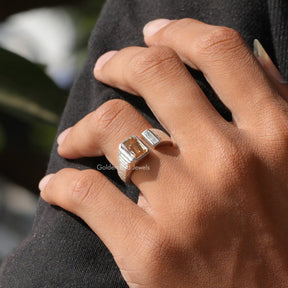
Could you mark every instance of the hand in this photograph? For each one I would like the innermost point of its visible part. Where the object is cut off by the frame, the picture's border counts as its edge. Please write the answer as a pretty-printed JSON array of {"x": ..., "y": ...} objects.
[{"x": 212, "y": 213}]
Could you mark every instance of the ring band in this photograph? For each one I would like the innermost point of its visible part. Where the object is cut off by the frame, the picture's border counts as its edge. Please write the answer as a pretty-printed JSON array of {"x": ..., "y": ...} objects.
[{"x": 133, "y": 149}]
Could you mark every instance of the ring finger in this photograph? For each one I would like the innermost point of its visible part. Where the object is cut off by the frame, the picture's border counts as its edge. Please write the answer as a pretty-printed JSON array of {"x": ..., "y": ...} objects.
[{"x": 101, "y": 132}]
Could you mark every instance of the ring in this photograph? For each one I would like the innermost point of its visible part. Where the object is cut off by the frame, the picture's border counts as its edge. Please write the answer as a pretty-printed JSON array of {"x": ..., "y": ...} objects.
[{"x": 133, "y": 149}]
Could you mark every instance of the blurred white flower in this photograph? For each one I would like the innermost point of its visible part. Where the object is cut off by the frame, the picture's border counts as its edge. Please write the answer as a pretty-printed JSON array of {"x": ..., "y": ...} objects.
[{"x": 45, "y": 36}]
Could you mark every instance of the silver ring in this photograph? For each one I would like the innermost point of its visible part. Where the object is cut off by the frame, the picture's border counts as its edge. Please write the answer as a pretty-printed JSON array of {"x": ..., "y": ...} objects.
[{"x": 133, "y": 149}]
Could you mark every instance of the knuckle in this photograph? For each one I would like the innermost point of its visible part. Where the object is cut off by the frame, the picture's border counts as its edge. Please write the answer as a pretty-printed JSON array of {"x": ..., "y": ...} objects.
[
  {"x": 151, "y": 63},
  {"x": 219, "y": 39},
  {"x": 108, "y": 116},
  {"x": 82, "y": 188}
]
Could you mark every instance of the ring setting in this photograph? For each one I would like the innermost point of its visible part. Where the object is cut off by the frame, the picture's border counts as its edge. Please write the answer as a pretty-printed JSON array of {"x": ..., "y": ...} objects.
[
  {"x": 156, "y": 138},
  {"x": 133, "y": 149}
]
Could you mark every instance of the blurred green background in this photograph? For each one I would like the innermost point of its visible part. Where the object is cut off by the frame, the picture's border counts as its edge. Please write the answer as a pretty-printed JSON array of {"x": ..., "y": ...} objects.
[
  {"x": 31, "y": 100},
  {"x": 43, "y": 45}
]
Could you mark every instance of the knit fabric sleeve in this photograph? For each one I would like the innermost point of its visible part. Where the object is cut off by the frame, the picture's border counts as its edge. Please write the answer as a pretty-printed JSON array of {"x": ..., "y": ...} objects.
[{"x": 61, "y": 250}]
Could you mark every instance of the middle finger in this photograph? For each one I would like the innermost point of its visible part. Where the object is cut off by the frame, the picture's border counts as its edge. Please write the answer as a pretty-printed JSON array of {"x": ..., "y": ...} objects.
[{"x": 161, "y": 78}]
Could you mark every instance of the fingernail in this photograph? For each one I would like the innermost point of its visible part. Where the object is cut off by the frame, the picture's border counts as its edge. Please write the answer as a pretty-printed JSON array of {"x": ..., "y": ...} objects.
[
  {"x": 154, "y": 26},
  {"x": 63, "y": 135},
  {"x": 266, "y": 62},
  {"x": 43, "y": 183},
  {"x": 103, "y": 59}
]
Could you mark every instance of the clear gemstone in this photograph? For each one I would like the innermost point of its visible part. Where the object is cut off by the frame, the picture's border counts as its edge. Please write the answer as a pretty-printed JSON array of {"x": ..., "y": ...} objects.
[{"x": 151, "y": 137}]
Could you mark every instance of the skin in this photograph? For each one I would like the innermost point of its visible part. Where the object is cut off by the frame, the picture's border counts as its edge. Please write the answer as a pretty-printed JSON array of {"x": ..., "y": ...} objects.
[{"x": 213, "y": 211}]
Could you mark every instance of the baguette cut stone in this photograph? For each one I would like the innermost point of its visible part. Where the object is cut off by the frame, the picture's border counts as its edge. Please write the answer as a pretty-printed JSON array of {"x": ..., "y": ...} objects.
[
  {"x": 153, "y": 139},
  {"x": 134, "y": 147}
]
